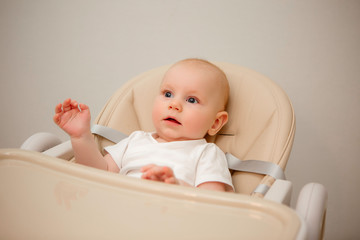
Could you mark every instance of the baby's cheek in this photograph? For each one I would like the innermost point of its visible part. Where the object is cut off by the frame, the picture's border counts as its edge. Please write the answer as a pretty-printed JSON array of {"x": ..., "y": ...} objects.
[
  {"x": 156, "y": 113},
  {"x": 199, "y": 126}
]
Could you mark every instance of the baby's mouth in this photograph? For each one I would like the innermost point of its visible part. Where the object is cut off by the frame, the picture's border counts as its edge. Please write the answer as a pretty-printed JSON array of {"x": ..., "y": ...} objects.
[{"x": 173, "y": 120}]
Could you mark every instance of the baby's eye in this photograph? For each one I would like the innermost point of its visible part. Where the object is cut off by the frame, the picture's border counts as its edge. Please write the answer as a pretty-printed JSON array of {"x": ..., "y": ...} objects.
[
  {"x": 168, "y": 94},
  {"x": 192, "y": 100}
]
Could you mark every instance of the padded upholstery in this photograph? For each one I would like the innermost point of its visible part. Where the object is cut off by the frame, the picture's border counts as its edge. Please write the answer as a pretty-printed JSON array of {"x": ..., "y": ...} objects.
[{"x": 261, "y": 118}]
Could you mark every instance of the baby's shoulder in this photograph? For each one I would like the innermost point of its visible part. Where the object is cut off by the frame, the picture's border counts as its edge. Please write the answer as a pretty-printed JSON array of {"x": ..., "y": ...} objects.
[
  {"x": 208, "y": 148},
  {"x": 212, "y": 147}
]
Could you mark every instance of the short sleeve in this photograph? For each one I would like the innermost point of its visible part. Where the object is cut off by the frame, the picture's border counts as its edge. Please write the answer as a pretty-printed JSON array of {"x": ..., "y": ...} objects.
[
  {"x": 213, "y": 167},
  {"x": 117, "y": 151}
]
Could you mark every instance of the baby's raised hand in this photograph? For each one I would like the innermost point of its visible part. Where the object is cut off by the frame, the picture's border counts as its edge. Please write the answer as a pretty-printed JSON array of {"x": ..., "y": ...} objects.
[
  {"x": 73, "y": 118},
  {"x": 159, "y": 173}
]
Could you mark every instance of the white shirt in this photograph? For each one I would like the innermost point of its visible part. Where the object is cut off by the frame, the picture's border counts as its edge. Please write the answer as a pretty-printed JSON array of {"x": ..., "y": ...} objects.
[{"x": 193, "y": 161}]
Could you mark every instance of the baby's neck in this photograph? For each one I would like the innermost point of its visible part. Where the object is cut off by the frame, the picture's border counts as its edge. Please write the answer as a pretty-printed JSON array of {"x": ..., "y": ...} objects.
[
  {"x": 163, "y": 140},
  {"x": 158, "y": 138}
]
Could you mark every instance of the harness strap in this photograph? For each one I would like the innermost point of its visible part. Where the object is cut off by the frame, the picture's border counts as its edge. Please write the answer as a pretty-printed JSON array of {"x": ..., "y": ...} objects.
[
  {"x": 256, "y": 166},
  {"x": 108, "y": 133}
]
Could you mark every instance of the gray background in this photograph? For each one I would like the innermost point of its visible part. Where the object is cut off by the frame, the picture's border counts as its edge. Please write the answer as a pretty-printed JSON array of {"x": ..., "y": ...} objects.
[{"x": 51, "y": 50}]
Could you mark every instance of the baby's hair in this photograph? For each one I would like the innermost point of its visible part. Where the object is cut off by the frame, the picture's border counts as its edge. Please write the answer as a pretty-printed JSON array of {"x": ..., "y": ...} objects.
[{"x": 221, "y": 75}]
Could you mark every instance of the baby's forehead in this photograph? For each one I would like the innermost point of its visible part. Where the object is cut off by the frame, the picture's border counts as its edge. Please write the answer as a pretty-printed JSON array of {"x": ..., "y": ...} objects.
[
  {"x": 190, "y": 77},
  {"x": 195, "y": 69}
]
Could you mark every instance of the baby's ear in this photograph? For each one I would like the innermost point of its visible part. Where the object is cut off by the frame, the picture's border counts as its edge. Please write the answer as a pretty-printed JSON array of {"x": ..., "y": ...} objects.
[{"x": 220, "y": 120}]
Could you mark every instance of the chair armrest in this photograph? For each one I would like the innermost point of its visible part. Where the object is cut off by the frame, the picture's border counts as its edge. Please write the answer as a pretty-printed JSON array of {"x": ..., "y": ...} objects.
[
  {"x": 63, "y": 151},
  {"x": 40, "y": 142},
  {"x": 280, "y": 192},
  {"x": 311, "y": 206}
]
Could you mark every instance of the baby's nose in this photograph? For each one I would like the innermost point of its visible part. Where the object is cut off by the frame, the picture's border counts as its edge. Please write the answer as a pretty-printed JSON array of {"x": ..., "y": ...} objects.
[{"x": 175, "y": 105}]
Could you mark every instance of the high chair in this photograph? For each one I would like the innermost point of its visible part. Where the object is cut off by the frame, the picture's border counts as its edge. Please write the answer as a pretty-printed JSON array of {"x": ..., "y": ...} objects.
[{"x": 44, "y": 196}]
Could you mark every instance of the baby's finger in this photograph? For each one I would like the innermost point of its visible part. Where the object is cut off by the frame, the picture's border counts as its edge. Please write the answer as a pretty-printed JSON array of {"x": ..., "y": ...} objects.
[
  {"x": 56, "y": 118},
  {"x": 74, "y": 105},
  {"x": 171, "y": 180},
  {"x": 58, "y": 108},
  {"x": 147, "y": 167},
  {"x": 168, "y": 172},
  {"x": 161, "y": 173},
  {"x": 151, "y": 173},
  {"x": 83, "y": 106},
  {"x": 66, "y": 105},
  {"x": 147, "y": 175}
]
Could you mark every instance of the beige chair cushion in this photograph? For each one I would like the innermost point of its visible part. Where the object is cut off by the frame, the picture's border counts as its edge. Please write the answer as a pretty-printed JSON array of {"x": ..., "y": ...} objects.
[{"x": 261, "y": 119}]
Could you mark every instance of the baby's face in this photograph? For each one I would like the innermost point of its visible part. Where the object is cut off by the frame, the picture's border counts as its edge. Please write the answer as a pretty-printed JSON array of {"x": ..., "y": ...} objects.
[{"x": 186, "y": 107}]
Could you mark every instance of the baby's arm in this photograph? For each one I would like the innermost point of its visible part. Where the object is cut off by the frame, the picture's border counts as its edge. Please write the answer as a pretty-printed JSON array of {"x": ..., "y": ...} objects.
[
  {"x": 216, "y": 186},
  {"x": 74, "y": 119}
]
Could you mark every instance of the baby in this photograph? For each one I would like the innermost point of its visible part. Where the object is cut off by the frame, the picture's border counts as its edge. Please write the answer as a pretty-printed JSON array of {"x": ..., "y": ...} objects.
[{"x": 191, "y": 104}]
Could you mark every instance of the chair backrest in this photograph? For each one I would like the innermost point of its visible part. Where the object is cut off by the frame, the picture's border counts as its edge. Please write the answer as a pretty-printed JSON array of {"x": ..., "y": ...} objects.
[{"x": 261, "y": 118}]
